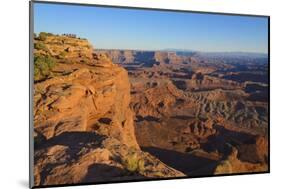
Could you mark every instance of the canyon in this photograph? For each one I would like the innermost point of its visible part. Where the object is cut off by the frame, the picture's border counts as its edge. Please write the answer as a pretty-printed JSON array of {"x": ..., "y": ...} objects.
[
  {"x": 195, "y": 113},
  {"x": 119, "y": 115}
]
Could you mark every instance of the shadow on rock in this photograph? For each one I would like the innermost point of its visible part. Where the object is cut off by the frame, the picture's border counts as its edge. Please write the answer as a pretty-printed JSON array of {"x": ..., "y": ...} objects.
[
  {"x": 106, "y": 173},
  {"x": 72, "y": 139},
  {"x": 185, "y": 162}
]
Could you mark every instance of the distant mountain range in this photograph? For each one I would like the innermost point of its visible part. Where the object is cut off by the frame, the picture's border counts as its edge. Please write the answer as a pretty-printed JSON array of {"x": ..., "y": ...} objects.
[
  {"x": 232, "y": 55},
  {"x": 202, "y": 54},
  {"x": 218, "y": 54}
]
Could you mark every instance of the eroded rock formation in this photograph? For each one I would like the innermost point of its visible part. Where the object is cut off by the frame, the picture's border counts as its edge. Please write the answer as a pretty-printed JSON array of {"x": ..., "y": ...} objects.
[
  {"x": 108, "y": 115},
  {"x": 83, "y": 125},
  {"x": 191, "y": 111}
]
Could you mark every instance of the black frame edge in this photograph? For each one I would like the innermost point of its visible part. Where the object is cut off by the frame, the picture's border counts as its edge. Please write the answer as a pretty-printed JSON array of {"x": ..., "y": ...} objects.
[
  {"x": 31, "y": 140},
  {"x": 268, "y": 54}
]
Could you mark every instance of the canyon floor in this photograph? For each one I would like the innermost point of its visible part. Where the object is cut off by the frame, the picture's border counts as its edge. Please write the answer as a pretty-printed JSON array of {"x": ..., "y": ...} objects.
[
  {"x": 201, "y": 116},
  {"x": 120, "y": 115}
]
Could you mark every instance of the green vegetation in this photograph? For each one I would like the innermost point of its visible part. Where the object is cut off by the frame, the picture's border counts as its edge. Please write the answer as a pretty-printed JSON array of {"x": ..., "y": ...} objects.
[
  {"x": 43, "y": 66},
  {"x": 62, "y": 54},
  {"x": 40, "y": 46},
  {"x": 159, "y": 174},
  {"x": 224, "y": 167},
  {"x": 133, "y": 163},
  {"x": 43, "y": 35}
]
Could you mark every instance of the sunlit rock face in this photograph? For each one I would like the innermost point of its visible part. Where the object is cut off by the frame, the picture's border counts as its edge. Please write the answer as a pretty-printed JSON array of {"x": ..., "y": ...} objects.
[{"x": 83, "y": 125}]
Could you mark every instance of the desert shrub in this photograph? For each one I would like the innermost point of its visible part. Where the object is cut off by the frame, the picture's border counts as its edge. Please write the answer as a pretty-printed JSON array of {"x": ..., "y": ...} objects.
[
  {"x": 159, "y": 174},
  {"x": 40, "y": 46},
  {"x": 133, "y": 163},
  {"x": 141, "y": 165},
  {"x": 43, "y": 66},
  {"x": 36, "y": 73},
  {"x": 62, "y": 54},
  {"x": 42, "y": 36},
  {"x": 224, "y": 167}
]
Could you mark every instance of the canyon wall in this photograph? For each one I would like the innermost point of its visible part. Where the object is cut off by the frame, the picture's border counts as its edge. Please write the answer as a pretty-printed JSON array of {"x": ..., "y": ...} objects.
[{"x": 83, "y": 125}]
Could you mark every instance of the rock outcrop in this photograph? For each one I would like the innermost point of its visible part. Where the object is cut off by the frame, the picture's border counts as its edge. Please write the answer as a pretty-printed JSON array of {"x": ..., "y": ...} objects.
[
  {"x": 83, "y": 125},
  {"x": 146, "y": 58},
  {"x": 191, "y": 110},
  {"x": 231, "y": 165},
  {"x": 85, "y": 100}
]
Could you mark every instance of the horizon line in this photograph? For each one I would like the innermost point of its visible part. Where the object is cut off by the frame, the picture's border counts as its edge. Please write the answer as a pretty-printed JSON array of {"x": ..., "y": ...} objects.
[
  {"x": 182, "y": 50},
  {"x": 163, "y": 49}
]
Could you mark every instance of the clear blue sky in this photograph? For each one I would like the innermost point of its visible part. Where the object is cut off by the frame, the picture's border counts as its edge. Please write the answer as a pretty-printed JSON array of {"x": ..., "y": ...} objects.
[{"x": 117, "y": 28}]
